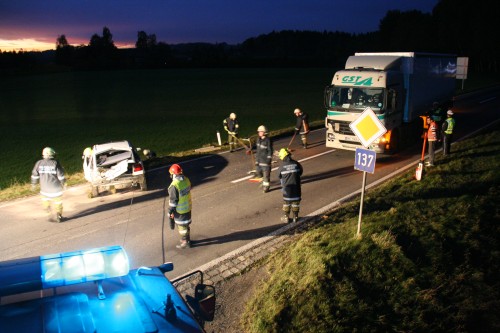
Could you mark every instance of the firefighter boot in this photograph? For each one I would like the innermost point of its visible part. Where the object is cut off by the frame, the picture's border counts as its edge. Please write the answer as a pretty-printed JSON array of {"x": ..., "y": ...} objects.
[
  {"x": 185, "y": 237},
  {"x": 285, "y": 218},
  {"x": 265, "y": 189},
  {"x": 183, "y": 245},
  {"x": 295, "y": 217}
]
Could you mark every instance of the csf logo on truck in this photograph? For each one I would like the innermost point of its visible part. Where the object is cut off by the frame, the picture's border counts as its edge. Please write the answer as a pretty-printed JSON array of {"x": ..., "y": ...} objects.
[{"x": 357, "y": 80}]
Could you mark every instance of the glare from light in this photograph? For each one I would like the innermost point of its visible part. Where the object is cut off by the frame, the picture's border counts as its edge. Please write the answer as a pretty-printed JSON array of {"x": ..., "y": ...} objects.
[{"x": 82, "y": 266}]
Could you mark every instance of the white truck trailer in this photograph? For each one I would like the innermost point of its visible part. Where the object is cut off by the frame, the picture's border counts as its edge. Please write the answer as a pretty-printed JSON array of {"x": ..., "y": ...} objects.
[{"x": 398, "y": 86}]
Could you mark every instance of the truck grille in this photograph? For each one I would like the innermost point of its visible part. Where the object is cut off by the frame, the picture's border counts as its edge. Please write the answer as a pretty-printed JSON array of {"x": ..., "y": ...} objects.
[{"x": 343, "y": 127}]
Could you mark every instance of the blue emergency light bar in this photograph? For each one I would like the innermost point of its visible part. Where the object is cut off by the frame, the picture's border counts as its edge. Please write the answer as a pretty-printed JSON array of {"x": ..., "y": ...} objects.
[{"x": 56, "y": 270}]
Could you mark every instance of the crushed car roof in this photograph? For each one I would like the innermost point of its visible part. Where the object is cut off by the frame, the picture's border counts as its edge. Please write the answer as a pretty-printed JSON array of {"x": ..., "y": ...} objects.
[{"x": 117, "y": 145}]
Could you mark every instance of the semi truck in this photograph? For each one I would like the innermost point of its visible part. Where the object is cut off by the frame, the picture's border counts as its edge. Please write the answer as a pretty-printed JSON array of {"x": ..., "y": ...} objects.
[
  {"x": 399, "y": 87},
  {"x": 95, "y": 290}
]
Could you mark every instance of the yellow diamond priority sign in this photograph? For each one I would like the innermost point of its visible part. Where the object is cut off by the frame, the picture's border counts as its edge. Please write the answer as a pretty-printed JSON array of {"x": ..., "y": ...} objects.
[{"x": 367, "y": 127}]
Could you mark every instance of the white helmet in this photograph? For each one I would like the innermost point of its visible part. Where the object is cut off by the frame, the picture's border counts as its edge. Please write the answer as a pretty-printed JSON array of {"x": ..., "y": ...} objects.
[
  {"x": 449, "y": 113},
  {"x": 48, "y": 152},
  {"x": 297, "y": 111},
  {"x": 262, "y": 128},
  {"x": 232, "y": 115}
]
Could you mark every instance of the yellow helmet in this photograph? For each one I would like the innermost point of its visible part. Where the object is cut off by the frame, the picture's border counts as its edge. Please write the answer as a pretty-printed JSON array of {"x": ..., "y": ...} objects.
[
  {"x": 87, "y": 152},
  {"x": 284, "y": 152},
  {"x": 232, "y": 115}
]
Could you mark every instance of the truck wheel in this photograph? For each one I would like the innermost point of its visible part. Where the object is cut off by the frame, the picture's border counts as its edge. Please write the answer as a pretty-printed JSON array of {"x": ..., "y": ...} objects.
[
  {"x": 395, "y": 141},
  {"x": 144, "y": 185}
]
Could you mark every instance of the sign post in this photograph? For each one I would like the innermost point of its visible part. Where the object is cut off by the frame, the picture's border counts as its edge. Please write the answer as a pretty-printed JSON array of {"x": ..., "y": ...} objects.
[{"x": 367, "y": 128}]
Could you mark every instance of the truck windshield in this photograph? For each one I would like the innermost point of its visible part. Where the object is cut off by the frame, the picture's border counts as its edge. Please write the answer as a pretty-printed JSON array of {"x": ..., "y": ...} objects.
[{"x": 355, "y": 98}]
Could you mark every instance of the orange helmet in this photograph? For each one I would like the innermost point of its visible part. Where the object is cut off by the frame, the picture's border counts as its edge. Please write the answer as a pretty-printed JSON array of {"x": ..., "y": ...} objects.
[{"x": 175, "y": 169}]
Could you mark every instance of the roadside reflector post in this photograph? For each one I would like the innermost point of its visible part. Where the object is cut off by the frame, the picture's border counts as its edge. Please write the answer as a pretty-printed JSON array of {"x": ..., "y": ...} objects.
[{"x": 218, "y": 138}]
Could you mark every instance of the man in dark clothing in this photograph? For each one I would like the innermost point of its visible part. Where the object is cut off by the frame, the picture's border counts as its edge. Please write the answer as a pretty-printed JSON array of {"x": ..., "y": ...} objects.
[
  {"x": 302, "y": 126},
  {"x": 50, "y": 174},
  {"x": 231, "y": 126},
  {"x": 289, "y": 173},
  {"x": 263, "y": 156}
]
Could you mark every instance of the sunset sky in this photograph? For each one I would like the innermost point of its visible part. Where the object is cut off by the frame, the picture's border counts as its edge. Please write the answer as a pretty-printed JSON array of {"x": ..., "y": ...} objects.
[{"x": 36, "y": 24}]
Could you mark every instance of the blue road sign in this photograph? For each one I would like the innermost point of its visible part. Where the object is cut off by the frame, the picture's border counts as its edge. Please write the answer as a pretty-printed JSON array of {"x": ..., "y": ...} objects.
[{"x": 364, "y": 160}]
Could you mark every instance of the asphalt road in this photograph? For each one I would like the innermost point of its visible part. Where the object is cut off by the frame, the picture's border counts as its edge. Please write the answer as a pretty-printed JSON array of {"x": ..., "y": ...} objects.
[{"x": 228, "y": 210}]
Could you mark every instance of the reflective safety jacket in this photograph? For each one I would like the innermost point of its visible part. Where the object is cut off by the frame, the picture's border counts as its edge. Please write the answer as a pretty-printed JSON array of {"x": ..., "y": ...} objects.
[
  {"x": 50, "y": 174},
  {"x": 448, "y": 125},
  {"x": 264, "y": 153},
  {"x": 289, "y": 173},
  {"x": 179, "y": 193},
  {"x": 231, "y": 125},
  {"x": 432, "y": 133}
]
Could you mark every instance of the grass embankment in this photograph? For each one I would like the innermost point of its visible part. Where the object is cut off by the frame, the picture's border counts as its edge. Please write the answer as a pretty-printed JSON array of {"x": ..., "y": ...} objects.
[{"x": 427, "y": 261}]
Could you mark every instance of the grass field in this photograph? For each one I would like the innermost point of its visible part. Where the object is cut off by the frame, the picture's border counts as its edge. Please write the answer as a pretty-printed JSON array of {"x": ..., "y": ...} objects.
[
  {"x": 428, "y": 259},
  {"x": 164, "y": 110}
]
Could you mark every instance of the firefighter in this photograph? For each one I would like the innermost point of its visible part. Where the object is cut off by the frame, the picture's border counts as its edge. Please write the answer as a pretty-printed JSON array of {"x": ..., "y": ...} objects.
[
  {"x": 437, "y": 113},
  {"x": 231, "y": 126},
  {"x": 49, "y": 172},
  {"x": 302, "y": 126},
  {"x": 289, "y": 173},
  {"x": 447, "y": 130},
  {"x": 432, "y": 137},
  {"x": 180, "y": 204},
  {"x": 149, "y": 154},
  {"x": 87, "y": 160},
  {"x": 264, "y": 156}
]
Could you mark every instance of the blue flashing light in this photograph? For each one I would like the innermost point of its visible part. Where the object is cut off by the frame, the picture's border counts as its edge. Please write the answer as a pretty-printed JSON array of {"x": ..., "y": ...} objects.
[{"x": 83, "y": 266}]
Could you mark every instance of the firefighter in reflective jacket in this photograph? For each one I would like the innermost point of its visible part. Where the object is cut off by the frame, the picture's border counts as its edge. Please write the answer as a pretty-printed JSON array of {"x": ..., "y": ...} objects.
[
  {"x": 289, "y": 173},
  {"x": 264, "y": 157},
  {"x": 432, "y": 137},
  {"x": 448, "y": 127},
  {"x": 179, "y": 193},
  {"x": 50, "y": 174}
]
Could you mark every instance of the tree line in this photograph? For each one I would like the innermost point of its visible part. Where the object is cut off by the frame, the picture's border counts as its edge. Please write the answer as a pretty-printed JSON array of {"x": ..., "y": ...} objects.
[{"x": 461, "y": 27}]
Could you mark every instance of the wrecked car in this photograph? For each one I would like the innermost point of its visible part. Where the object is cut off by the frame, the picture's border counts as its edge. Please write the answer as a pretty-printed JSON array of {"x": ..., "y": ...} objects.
[{"x": 111, "y": 166}]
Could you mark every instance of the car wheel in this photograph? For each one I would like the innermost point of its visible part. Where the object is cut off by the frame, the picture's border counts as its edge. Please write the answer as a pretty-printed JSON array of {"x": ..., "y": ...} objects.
[{"x": 94, "y": 192}]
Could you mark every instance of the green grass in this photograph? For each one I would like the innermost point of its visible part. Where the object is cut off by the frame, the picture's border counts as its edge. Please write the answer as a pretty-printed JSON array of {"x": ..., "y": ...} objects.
[
  {"x": 427, "y": 261},
  {"x": 167, "y": 111}
]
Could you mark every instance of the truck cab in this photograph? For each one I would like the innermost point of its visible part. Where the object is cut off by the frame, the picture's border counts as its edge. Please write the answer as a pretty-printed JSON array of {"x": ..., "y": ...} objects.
[
  {"x": 397, "y": 86},
  {"x": 94, "y": 291}
]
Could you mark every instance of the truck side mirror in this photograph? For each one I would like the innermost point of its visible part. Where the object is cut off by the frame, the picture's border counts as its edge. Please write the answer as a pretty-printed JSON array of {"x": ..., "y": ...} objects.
[{"x": 203, "y": 303}]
